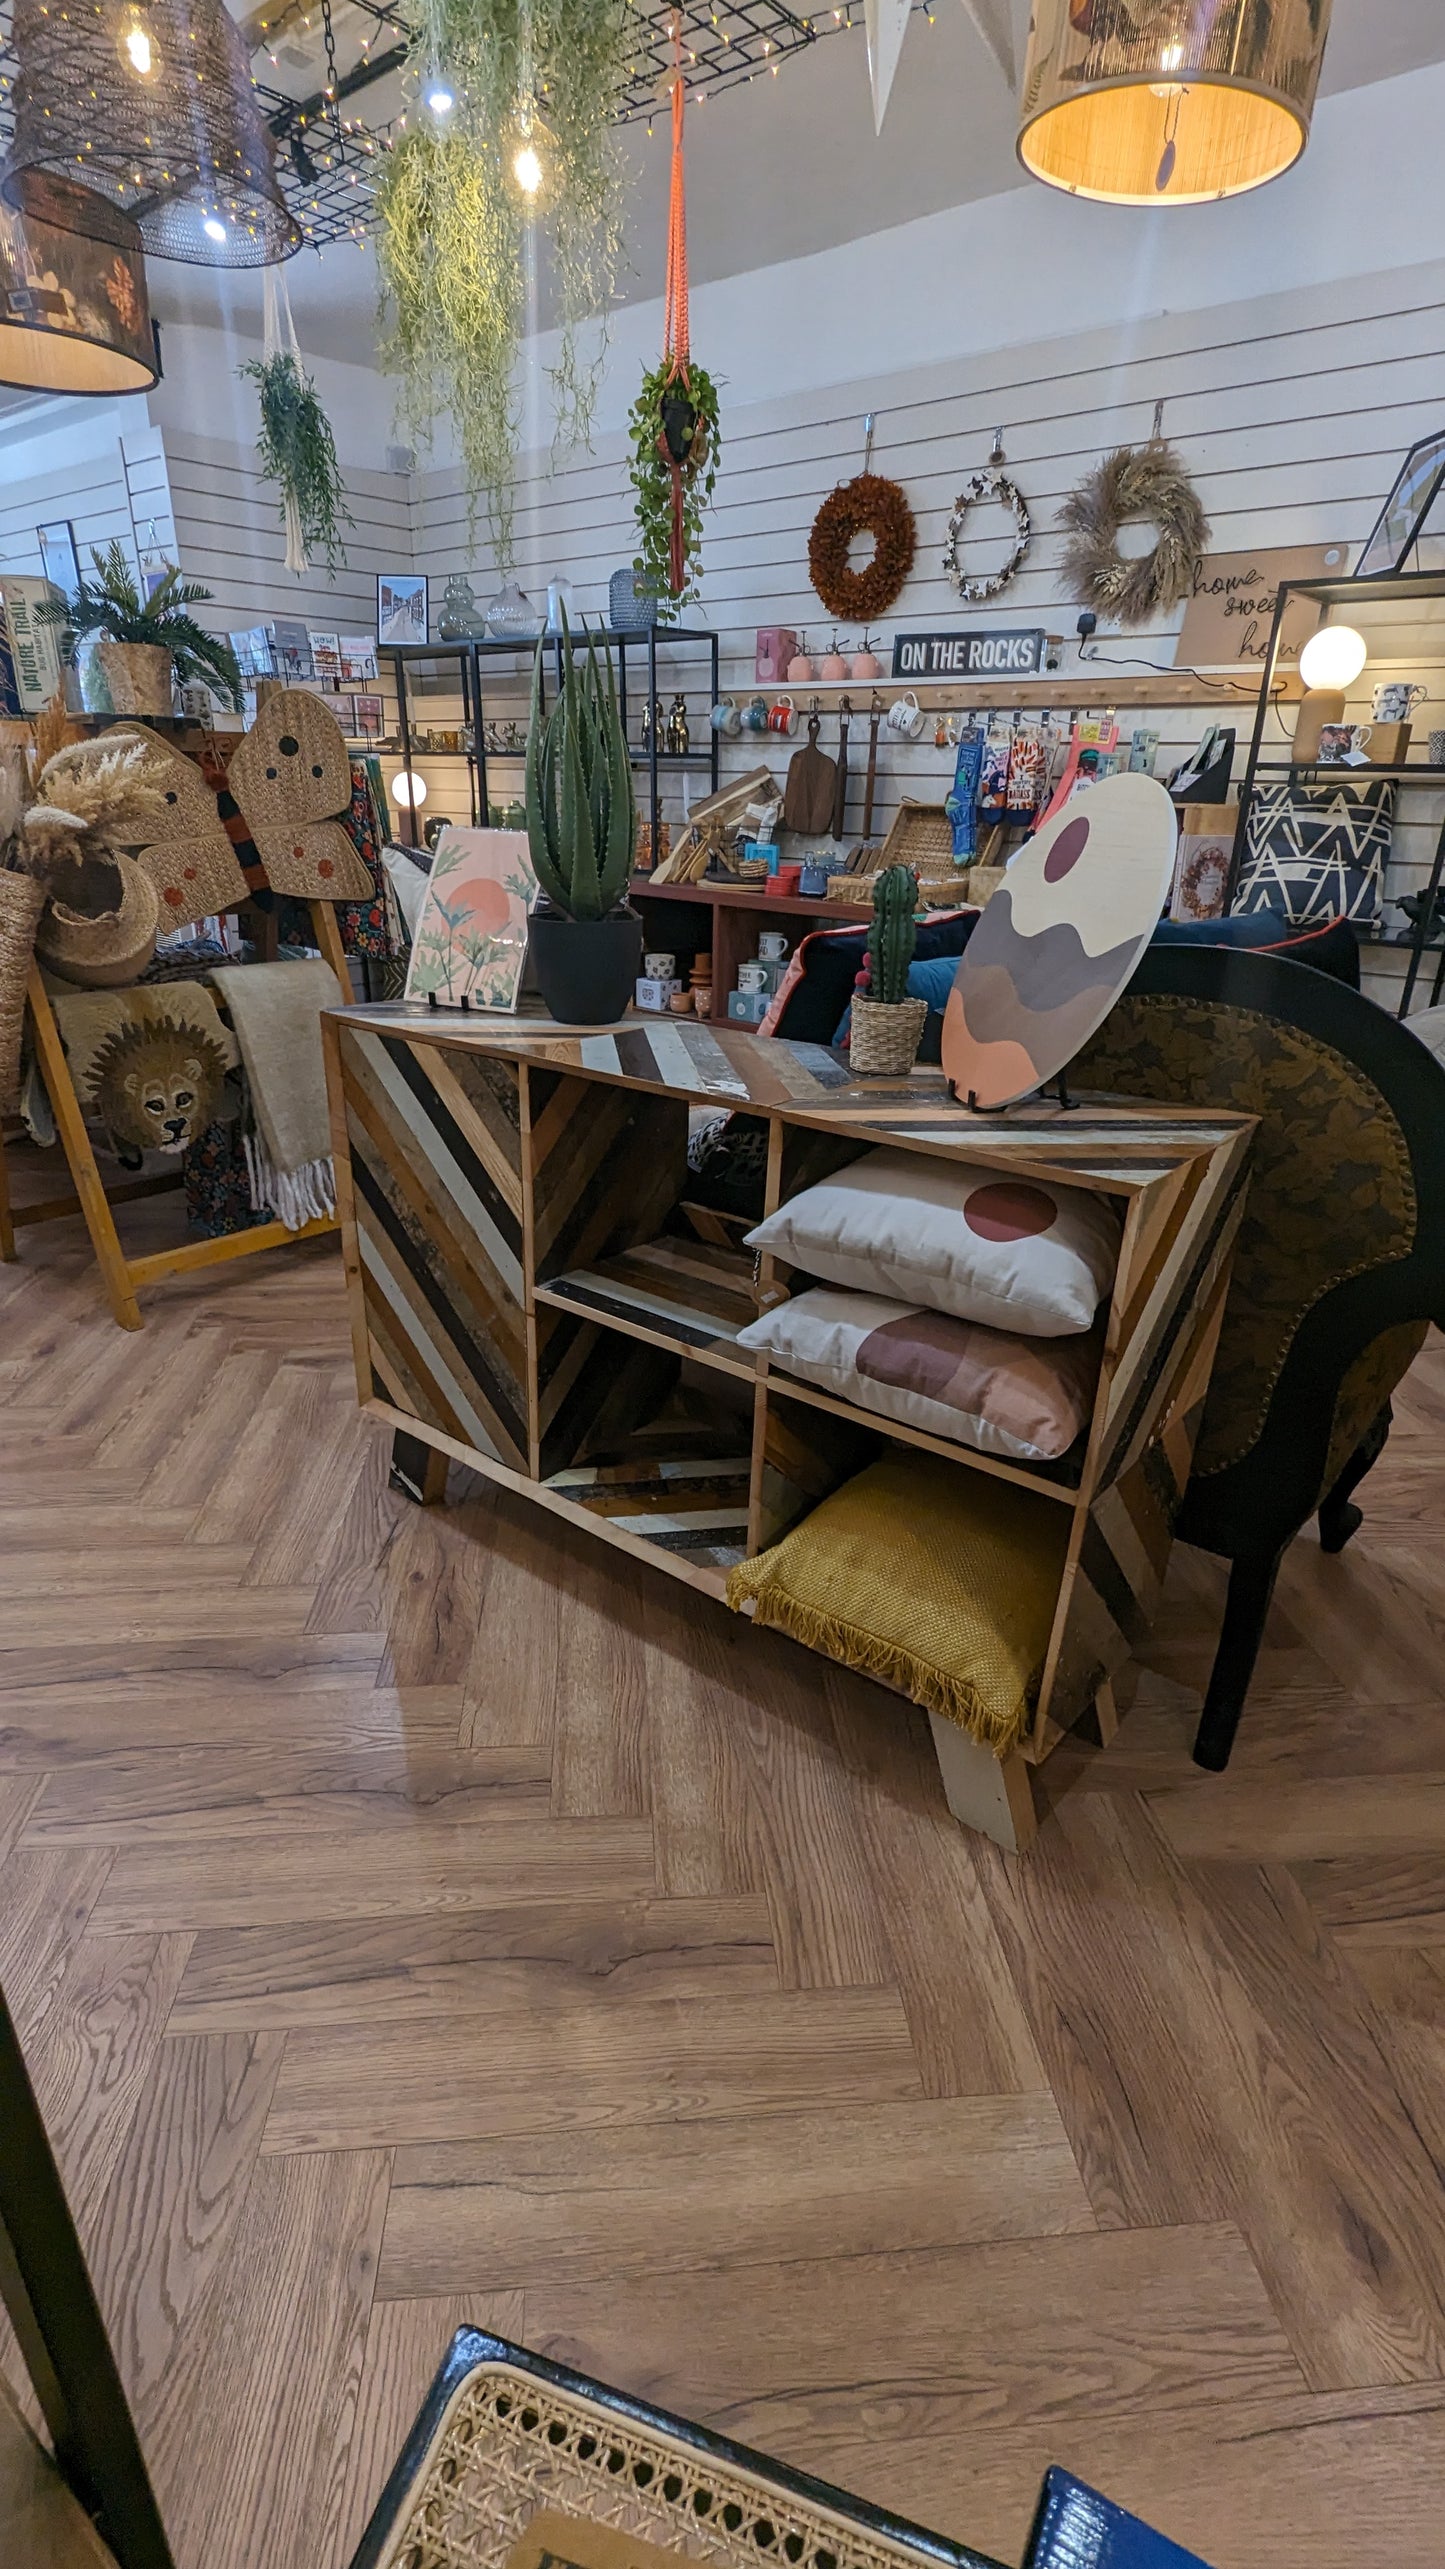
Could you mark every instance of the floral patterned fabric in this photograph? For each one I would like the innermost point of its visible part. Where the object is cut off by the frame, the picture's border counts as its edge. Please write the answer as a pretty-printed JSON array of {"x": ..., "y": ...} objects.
[
  {"x": 1331, "y": 1192},
  {"x": 218, "y": 1190}
]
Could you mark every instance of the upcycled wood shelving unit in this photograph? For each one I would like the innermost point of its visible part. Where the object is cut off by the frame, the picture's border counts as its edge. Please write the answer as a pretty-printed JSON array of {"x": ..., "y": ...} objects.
[
  {"x": 123, "y": 1277},
  {"x": 529, "y": 1294}
]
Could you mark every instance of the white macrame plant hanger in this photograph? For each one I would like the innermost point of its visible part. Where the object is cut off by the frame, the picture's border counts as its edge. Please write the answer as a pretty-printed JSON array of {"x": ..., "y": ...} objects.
[{"x": 281, "y": 341}]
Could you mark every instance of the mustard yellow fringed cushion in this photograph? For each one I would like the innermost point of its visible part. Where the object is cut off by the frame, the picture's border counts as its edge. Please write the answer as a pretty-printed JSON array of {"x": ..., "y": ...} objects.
[{"x": 938, "y": 1579}]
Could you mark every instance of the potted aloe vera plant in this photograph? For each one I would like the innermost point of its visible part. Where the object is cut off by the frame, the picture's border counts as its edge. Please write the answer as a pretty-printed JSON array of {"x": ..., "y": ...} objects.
[
  {"x": 887, "y": 1024},
  {"x": 582, "y": 827}
]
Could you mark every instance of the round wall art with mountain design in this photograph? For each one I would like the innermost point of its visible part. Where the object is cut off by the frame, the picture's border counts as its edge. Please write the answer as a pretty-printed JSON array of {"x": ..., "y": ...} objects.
[{"x": 1058, "y": 940}]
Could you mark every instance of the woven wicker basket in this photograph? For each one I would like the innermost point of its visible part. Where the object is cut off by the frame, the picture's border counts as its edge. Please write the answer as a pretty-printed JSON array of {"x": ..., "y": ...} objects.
[
  {"x": 886, "y": 1034},
  {"x": 138, "y": 674},
  {"x": 103, "y": 953},
  {"x": 921, "y": 835},
  {"x": 22, "y": 899},
  {"x": 854, "y": 890}
]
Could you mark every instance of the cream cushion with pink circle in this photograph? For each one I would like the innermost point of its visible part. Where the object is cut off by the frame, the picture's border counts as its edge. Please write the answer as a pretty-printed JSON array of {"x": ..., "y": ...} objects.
[{"x": 956, "y": 1237}]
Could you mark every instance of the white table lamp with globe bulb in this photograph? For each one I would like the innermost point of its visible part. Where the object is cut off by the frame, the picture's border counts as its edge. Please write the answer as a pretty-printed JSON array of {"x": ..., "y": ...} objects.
[{"x": 1329, "y": 664}]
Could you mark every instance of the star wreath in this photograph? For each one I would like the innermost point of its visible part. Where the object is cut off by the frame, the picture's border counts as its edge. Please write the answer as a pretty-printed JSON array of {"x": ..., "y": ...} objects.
[{"x": 977, "y": 587}]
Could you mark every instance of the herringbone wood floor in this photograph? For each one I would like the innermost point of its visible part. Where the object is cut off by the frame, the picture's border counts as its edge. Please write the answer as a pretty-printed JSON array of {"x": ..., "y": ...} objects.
[{"x": 413, "y": 1917}]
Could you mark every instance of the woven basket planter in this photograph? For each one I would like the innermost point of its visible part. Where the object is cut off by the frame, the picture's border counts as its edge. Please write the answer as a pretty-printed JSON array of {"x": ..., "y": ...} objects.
[
  {"x": 21, "y": 901},
  {"x": 138, "y": 674},
  {"x": 886, "y": 1034},
  {"x": 103, "y": 953}
]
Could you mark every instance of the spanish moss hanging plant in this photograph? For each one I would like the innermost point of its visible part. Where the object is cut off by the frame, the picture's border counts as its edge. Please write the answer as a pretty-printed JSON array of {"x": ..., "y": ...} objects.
[
  {"x": 529, "y": 77},
  {"x": 297, "y": 451},
  {"x": 672, "y": 425}
]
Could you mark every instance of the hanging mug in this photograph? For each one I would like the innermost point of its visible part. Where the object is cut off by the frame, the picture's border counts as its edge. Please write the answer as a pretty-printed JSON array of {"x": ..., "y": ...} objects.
[
  {"x": 1395, "y": 700},
  {"x": 756, "y": 717},
  {"x": 906, "y": 716},
  {"x": 781, "y": 717},
  {"x": 725, "y": 718}
]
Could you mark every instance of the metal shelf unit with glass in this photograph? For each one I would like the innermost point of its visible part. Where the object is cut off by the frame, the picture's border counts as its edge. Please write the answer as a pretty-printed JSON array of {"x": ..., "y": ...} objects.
[
  {"x": 403, "y": 663},
  {"x": 1401, "y": 589}
]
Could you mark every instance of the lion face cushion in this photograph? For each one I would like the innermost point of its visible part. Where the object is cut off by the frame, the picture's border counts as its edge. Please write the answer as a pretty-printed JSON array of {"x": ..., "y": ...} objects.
[{"x": 156, "y": 1084}]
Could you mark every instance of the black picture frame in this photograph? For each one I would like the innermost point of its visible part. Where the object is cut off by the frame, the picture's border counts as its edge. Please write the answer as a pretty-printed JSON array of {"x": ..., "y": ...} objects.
[
  {"x": 1396, "y": 530},
  {"x": 59, "y": 560}
]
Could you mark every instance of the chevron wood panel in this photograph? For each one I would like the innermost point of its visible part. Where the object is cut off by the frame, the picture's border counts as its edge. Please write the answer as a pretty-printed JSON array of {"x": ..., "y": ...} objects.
[
  {"x": 436, "y": 1172},
  {"x": 1163, "y": 1330},
  {"x": 419, "y": 1915}
]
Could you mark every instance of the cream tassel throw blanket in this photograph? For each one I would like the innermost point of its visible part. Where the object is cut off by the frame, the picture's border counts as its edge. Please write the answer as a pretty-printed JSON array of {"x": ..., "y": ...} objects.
[{"x": 276, "y": 1011}]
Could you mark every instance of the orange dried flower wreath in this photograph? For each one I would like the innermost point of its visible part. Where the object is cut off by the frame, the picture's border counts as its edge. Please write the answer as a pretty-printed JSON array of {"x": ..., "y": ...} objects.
[{"x": 867, "y": 505}]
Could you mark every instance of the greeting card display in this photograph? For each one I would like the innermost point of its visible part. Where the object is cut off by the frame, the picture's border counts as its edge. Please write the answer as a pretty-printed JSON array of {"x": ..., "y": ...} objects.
[{"x": 471, "y": 938}]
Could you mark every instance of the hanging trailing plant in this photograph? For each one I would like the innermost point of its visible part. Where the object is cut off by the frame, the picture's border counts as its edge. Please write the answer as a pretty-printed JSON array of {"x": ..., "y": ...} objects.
[
  {"x": 674, "y": 445},
  {"x": 674, "y": 420},
  {"x": 528, "y": 77},
  {"x": 297, "y": 451}
]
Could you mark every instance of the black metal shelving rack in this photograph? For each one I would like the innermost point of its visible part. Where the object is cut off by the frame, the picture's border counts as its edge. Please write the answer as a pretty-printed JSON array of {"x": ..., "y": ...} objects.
[
  {"x": 1395, "y": 589},
  {"x": 469, "y": 656}
]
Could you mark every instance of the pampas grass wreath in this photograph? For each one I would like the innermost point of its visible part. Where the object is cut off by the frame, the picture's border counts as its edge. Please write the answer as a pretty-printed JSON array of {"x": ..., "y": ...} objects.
[{"x": 1134, "y": 484}]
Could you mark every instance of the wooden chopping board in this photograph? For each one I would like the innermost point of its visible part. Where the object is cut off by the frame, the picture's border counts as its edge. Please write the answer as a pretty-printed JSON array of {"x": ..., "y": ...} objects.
[{"x": 812, "y": 783}]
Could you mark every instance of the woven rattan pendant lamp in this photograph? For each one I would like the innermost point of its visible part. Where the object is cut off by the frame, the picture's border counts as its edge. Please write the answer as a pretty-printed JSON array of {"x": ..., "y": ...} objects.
[
  {"x": 1168, "y": 102},
  {"x": 150, "y": 104},
  {"x": 74, "y": 317}
]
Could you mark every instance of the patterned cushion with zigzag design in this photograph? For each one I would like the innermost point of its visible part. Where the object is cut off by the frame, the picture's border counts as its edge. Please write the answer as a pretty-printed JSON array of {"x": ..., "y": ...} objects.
[{"x": 1318, "y": 851}]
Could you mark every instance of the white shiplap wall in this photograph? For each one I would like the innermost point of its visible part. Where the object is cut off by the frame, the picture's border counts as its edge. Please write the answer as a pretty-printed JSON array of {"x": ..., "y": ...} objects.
[
  {"x": 1292, "y": 413},
  {"x": 229, "y": 534},
  {"x": 108, "y": 478}
]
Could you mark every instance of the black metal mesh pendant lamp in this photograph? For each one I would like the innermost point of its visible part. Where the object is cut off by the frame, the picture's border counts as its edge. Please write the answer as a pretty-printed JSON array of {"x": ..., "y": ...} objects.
[
  {"x": 1168, "y": 102},
  {"x": 74, "y": 317},
  {"x": 150, "y": 104}
]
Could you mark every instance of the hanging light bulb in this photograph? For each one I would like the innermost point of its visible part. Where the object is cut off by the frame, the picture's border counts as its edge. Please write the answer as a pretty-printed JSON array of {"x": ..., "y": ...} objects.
[
  {"x": 137, "y": 50},
  {"x": 439, "y": 97},
  {"x": 527, "y": 170},
  {"x": 213, "y": 227}
]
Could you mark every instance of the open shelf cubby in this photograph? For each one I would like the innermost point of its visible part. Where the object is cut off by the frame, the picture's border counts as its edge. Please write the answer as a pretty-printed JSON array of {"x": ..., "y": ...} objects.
[{"x": 534, "y": 1291}]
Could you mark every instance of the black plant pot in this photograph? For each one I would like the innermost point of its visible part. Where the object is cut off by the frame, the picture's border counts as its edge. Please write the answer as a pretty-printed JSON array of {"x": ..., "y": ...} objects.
[{"x": 586, "y": 968}]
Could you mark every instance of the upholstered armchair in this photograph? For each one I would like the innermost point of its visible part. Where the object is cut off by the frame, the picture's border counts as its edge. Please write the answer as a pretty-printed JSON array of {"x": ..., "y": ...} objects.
[{"x": 1340, "y": 1265}]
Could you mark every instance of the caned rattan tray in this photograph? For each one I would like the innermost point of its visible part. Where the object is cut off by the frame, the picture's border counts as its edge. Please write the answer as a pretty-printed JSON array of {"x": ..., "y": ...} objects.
[{"x": 509, "y": 2446}]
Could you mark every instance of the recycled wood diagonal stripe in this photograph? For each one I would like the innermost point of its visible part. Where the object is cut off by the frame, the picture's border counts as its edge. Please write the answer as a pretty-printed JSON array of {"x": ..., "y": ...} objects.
[{"x": 436, "y": 1170}]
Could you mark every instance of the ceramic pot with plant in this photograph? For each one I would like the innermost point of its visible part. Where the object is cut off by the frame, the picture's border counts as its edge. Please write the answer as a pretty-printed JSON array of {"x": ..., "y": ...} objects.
[
  {"x": 887, "y": 1024},
  {"x": 586, "y": 944},
  {"x": 145, "y": 644}
]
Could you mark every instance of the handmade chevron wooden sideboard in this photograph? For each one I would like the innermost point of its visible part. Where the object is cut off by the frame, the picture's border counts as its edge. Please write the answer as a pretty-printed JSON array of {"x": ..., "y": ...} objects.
[{"x": 532, "y": 1293}]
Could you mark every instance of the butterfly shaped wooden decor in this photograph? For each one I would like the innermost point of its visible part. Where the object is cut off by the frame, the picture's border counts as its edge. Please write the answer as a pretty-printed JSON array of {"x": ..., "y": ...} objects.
[
  {"x": 291, "y": 776},
  {"x": 188, "y": 857}
]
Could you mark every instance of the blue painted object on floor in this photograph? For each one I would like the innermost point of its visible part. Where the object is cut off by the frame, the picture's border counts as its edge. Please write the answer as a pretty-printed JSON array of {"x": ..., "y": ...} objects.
[{"x": 1075, "y": 2528}]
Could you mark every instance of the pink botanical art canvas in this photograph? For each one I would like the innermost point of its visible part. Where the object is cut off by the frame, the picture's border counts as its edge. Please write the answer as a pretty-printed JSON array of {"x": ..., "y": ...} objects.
[{"x": 471, "y": 938}]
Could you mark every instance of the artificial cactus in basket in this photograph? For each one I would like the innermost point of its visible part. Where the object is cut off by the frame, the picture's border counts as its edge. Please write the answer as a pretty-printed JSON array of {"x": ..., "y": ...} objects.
[
  {"x": 582, "y": 830},
  {"x": 887, "y": 1024}
]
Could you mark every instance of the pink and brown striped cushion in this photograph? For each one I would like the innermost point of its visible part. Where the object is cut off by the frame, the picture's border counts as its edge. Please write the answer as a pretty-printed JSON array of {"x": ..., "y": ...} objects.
[{"x": 1028, "y": 1398}]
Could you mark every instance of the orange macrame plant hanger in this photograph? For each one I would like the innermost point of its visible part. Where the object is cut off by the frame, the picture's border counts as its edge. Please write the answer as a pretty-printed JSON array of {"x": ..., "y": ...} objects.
[{"x": 676, "y": 343}]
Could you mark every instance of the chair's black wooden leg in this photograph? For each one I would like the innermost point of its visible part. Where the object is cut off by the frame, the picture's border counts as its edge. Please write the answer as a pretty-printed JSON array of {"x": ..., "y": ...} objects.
[
  {"x": 1251, "y": 1585},
  {"x": 1338, "y": 1519}
]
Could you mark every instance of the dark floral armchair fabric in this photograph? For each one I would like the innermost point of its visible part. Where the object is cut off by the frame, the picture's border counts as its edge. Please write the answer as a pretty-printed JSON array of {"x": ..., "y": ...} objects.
[{"x": 1331, "y": 1195}]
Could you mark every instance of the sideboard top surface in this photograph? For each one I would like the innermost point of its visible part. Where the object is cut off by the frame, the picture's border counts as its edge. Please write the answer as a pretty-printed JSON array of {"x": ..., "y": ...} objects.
[{"x": 1119, "y": 1144}]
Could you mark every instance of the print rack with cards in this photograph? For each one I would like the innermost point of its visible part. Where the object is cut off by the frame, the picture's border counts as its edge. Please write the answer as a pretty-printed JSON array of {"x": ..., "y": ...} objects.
[{"x": 534, "y": 1292}]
